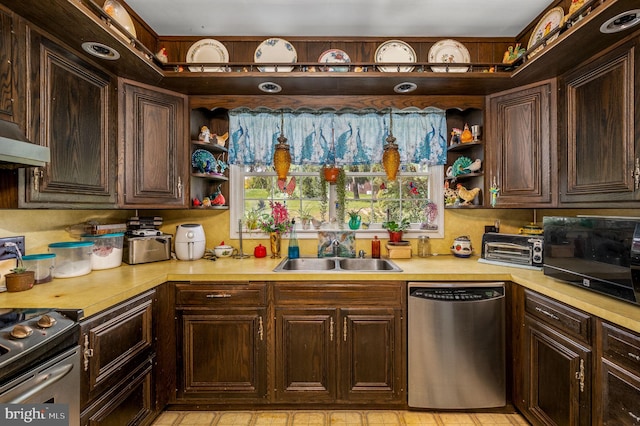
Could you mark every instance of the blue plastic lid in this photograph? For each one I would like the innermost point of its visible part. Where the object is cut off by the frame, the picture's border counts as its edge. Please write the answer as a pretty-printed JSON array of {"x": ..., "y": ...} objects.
[
  {"x": 39, "y": 256},
  {"x": 114, "y": 235},
  {"x": 71, "y": 244}
]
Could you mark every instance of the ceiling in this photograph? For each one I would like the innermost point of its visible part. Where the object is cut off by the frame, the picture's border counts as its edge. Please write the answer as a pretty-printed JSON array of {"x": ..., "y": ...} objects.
[{"x": 339, "y": 18}]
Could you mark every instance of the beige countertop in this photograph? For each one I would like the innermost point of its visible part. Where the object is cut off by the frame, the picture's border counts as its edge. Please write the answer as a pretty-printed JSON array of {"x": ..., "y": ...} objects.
[{"x": 101, "y": 289}]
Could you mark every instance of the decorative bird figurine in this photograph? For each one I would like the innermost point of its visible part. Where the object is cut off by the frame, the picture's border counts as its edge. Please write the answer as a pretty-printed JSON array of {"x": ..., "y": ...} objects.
[
  {"x": 221, "y": 139},
  {"x": 468, "y": 195},
  {"x": 475, "y": 166},
  {"x": 162, "y": 55}
]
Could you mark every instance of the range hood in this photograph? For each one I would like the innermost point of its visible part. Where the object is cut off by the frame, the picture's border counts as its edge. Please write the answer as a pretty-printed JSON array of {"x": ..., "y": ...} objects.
[{"x": 16, "y": 151}]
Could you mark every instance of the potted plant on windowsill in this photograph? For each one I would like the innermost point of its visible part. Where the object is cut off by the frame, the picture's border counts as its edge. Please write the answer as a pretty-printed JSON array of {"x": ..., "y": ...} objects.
[{"x": 396, "y": 229}]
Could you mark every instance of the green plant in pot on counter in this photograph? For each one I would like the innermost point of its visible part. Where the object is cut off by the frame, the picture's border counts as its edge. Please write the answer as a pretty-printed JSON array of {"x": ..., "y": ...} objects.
[
  {"x": 396, "y": 229},
  {"x": 19, "y": 279}
]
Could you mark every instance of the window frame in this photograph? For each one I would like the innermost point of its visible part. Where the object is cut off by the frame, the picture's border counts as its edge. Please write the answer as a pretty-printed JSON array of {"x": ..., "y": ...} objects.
[{"x": 236, "y": 208}]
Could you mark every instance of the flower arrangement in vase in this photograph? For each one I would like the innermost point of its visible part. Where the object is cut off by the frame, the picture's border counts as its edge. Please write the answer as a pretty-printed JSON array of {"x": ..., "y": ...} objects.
[{"x": 276, "y": 224}]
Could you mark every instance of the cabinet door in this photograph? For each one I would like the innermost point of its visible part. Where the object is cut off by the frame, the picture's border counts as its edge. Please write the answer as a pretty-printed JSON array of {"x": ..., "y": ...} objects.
[
  {"x": 370, "y": 354},
  {"x": 114, "y": 342},
  {"x": 306, "y": 355},
  {"x": 73, "y": 113},
  {"x": 521, "y": 146},
  {"x": 222, "y": 355},
  {"x": 153, "y": 141},
  {"x": 557, "y": 377},
  {"x": 599, "y": 158},
  {"x": 620, "y": 395}
]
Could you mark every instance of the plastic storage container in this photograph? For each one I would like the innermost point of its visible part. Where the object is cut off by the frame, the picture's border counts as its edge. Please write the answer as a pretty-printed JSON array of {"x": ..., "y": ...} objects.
[
  {"x": 73, "y": 259},
  {"x": 42, "y": 265},
  {"x": 107, "y": 250}
]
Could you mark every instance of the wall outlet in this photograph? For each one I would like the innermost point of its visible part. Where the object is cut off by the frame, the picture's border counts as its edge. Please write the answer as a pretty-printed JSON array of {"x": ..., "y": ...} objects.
[{"x": 10, "y": 252}]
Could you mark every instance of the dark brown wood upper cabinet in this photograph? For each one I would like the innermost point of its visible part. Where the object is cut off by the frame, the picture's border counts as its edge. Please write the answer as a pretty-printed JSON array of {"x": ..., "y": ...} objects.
[
  {"x": 73, "y": 113},
  {"x": 600, "y": 161},
  {"x": 152, "y": 147},
  {"x": 521, "y": 145}
]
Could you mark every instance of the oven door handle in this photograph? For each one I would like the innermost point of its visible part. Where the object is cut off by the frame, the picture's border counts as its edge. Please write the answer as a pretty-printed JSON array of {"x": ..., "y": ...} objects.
[{"x": 44, "y": 380}]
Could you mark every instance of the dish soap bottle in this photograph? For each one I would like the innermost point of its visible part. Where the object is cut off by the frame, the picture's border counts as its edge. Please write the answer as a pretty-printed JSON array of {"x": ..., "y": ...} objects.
[
  {"x": 294, "y": 249},
  {"x": 375, "y": 248}
]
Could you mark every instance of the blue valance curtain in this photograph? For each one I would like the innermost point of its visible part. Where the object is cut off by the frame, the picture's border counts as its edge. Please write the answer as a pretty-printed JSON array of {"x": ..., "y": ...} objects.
[{"x": 337, "y": 137}]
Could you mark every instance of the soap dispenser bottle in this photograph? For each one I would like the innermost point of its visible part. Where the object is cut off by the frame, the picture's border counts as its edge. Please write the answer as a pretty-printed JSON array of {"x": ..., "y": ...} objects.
[
  {"x": 375, "y": 248},
  {"x": 294, "y": 249}
]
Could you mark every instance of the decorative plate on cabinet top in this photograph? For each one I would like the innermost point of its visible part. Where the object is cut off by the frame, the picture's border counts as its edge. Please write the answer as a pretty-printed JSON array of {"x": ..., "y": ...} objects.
[
  {"x": 121, "y": 16},
  {"x": 334, "y": 56},
  {"x": 449, "y": 51},
  {"x": 207, "y": 50},
  {"x": 275, "y": 51},
  {"x": 395, "y": 51},
  {"x": 549, "y": 22}
]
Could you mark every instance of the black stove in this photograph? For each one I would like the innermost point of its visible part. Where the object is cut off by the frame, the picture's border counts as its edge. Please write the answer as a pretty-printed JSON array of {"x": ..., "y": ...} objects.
[{"x": 30, "y": 336}]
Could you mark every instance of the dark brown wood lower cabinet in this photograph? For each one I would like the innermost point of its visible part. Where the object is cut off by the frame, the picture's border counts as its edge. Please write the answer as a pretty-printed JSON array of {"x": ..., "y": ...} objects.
[
  {"x": 222, "y": 355},
  {"x": 558, "y": 377},
  {"x": 117, "y": 384}
]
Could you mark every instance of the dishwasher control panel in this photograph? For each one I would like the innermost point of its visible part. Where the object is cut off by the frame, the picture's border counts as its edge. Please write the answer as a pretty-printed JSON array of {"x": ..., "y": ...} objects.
[{"x": 458, "y": 294}]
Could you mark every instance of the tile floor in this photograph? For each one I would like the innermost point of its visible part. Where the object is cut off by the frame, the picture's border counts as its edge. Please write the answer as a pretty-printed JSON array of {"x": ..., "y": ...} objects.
[{"x": 332, "y": 418}]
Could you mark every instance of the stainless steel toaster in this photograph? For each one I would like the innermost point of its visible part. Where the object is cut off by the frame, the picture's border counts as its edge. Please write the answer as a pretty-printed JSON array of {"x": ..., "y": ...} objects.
[{"x": 144, "y": 249}]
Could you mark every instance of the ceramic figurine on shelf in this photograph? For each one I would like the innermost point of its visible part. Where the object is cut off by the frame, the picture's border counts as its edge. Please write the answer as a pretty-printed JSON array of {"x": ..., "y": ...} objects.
[
  {"x": 455, "y": 136},
  {"x": 467, "y": 195},
  {"x": 466, "y": 135},
  {"x": 205, "y": 134},
  {"x": 222, "y": 166},
  {"x": 513, "y": 53},
  {"x": 162, "y": 55},
  {"x": 196, "y": 202}
]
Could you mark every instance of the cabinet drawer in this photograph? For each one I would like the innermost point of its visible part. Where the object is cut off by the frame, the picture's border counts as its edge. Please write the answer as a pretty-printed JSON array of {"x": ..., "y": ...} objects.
[
  {"x": 621, "y": 347},
  {"x": 385, "y": 293},
  {"x": 565, "y": 318},
  {"x": 220, "y": 294}
]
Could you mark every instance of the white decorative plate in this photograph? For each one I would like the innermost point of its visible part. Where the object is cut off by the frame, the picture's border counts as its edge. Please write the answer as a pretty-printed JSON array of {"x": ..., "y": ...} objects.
[
  {"x": 334, "y": 56},
  {"x": 121, "y": 16},
  {"x": 449, "y": 51},
  {"x": 207, "y": 50},
  {"x": 275, "y": 51},
  {"x": 550, "y": 21},
  {"x": 395, "y": 51}
]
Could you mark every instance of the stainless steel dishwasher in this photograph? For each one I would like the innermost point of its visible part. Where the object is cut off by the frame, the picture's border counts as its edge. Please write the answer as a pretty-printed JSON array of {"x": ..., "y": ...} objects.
[{"x": 456, "y": 345}]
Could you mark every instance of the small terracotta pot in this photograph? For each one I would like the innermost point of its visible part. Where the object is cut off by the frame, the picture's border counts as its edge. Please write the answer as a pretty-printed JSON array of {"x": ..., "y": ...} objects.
[
  {"x": 20, "y": 282},
  {"x": 395, "y": 236}
]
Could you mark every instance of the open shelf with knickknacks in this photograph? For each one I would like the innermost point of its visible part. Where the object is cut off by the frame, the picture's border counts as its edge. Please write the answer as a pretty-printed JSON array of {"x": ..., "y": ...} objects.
[
  {"x": 209, "y": 157},
  {"x": 464, "y": 179}
]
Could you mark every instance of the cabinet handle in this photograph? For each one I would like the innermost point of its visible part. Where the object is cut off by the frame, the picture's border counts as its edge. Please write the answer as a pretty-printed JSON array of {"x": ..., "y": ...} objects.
[
  {"x": 634, "y": 417},
  {"x": 179, "y": 187},
  {"x": 344, "y": 329},
  {"x": 218, "y": 296},
  {"x": 580, "y": 375},
  {"x": 37, "y": 175},
  {"x": 634, "y": 356},
  {"x": 547, "y": 313},
  {"x": 87, "y": 353},
  {"x": 636, "y": 174},
  {"x": 331, "y": 329},
  {"x": 260, "y": 328}
]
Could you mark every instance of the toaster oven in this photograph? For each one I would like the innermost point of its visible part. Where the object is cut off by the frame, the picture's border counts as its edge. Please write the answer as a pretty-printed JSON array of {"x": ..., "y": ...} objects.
[{"x": 513, "y": 250}]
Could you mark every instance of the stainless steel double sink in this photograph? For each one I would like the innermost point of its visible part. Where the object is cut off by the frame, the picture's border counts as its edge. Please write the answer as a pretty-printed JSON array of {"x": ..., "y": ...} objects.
[{"x": 336, "y": 264}]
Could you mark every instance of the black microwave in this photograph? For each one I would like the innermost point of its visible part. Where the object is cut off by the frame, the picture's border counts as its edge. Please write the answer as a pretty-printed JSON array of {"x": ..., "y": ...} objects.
[{"x": 597, "y": 253}]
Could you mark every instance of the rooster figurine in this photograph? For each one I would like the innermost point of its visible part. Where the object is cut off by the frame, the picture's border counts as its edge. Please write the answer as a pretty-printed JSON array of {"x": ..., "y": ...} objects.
[
  {"x": 468, "y": 195},
  {"x": 162, "y": 55}
]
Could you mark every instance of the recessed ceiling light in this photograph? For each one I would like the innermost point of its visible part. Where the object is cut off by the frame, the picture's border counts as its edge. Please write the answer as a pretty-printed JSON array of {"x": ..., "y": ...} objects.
[
  {"x": 621, "y": 22},
  {"x": 100, "y": 50},
  {"x": 405, "y": 87},
  {"x": 269, "y": 87}
]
